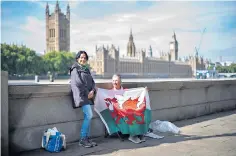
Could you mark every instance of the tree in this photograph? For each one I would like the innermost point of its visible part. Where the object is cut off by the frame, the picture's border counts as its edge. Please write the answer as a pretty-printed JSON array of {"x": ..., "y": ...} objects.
[
  {"x": 232, "y": 68},
  {"x": 58, "y": 62},
  {"x": 20, "y": 60},
  {"x": 226, "y": 69}
]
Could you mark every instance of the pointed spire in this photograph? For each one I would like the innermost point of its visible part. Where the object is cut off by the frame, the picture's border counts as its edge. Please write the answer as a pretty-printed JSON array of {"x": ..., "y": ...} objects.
[
  {"x": 174, "y": 36},
  {"x": 68, "y": 8},
  {"x": 150, "y": 51},
  {"x": 131, "y": 35},
  {"x": 68, "y": 12},
  {"x": 196, "y": 53},
  {"x": 47, "y": 9},
  {"x": 57, "y": 7}
]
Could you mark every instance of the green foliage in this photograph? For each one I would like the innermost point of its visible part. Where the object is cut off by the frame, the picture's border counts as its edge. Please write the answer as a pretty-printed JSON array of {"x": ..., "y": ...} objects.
[
  {"x": 223, "y": 69},
  {"x": 21, "y": 60},
  {"x": 58, "y": 62},
  {"x": 226, "y": 69}
]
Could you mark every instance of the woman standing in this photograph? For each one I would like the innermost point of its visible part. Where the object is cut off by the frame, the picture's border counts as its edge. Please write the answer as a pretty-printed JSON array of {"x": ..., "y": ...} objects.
[{"x": 83, "y": 89}]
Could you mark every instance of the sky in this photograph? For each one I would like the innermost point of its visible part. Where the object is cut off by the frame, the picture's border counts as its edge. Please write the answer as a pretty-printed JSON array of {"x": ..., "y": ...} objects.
[{"x": 109, "y": 22}]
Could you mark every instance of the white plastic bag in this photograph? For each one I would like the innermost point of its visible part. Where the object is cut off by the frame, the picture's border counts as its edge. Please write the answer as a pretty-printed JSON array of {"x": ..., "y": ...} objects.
[{"x": 164, "y": 126}]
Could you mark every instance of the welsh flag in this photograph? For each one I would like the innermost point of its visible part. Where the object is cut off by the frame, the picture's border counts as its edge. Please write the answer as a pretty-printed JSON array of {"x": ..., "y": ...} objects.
[{"x": 127, "y": 111}]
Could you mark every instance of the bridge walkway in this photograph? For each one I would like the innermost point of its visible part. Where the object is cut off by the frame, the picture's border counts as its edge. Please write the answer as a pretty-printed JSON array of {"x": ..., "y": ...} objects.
[{"x": 211, "y": 135}]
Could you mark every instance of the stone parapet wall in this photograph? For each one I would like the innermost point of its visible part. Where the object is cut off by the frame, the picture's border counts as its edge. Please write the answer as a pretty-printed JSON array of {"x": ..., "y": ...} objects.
[
  {"x": 35, "y": 108},
  {"x": 4, "y": 114}
]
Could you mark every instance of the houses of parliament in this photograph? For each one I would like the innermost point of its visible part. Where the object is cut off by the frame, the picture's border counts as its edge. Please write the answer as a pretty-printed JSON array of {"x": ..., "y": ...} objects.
[{"x": 107, "y": 60}]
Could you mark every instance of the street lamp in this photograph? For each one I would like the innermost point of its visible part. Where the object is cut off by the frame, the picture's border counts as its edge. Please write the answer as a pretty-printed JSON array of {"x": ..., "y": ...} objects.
[{"x": 169, "y": 57}]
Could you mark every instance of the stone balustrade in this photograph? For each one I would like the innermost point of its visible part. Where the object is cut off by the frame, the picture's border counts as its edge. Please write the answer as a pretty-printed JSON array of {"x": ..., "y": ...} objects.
[{"x": 35, "y": 108}]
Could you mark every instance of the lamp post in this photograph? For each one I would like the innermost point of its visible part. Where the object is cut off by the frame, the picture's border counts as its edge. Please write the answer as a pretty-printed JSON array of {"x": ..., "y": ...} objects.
[{"x": 169, "y": 68}]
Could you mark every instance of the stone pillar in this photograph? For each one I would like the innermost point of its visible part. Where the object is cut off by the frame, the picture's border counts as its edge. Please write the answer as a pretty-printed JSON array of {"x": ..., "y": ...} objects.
[{"x": 4, "y": 114}]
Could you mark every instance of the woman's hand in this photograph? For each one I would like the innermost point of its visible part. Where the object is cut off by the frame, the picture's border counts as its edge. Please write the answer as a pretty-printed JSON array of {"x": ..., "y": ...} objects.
[{"x": 91, "y": 94}]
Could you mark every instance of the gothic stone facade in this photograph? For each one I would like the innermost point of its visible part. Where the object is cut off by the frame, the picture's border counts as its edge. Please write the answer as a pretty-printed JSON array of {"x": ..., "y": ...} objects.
[
  {"x": 57, "y": 29},
  {"x": 107, "y": 61}
]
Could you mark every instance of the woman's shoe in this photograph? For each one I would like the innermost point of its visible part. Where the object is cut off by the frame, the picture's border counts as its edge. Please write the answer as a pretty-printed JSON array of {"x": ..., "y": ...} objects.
[
  {"x": 134, "y": 139},
  {"x": 85, "y": 143},
  {"x": 91, "y": 142},
  {"x": 142, "y": 138}
]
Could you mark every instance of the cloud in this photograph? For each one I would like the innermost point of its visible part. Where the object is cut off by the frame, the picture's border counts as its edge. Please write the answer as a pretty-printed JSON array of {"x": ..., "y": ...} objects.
[
  {"x": 151, "y": 26},
  {"x": 73, "y": 3},
  {"x": 155, "y": 27},
  {"x": 32, "y": 34},
  {"x": 43, "y": 3},
  {"x": 227, "y": 54}
]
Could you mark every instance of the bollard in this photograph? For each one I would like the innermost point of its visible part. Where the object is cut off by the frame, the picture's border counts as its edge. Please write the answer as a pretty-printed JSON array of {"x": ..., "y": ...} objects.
[
  {"x": 36, "y": 78},
  {"x": 51, "y": 78}
]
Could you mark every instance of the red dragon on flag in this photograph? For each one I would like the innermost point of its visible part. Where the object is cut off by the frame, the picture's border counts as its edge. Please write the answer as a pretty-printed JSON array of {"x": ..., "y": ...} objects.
[
  {"x": 129, "y": 109},
  {"x": 126, "y": 111}
]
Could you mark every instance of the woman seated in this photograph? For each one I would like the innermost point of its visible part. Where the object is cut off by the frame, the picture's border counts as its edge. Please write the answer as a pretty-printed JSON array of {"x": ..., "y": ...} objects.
[{"x": 116, "y": 82}]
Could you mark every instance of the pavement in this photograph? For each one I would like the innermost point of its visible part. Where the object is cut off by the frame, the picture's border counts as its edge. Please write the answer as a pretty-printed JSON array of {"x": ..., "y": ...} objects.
[{"x": 211, "y": 135}]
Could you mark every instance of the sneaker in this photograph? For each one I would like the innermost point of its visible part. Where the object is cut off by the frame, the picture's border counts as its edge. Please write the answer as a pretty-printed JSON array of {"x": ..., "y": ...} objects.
[
  {"x": 91, "y": 142},
  {"x": 142, "y": 138},
  {"x": 134, "y": 139},
  {"x": 85, "y": 143},
  {"x": 152, "y": 135}
]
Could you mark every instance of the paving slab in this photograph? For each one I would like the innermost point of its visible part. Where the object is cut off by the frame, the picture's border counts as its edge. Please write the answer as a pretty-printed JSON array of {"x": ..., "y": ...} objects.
[{"x": 211, "y": 135}]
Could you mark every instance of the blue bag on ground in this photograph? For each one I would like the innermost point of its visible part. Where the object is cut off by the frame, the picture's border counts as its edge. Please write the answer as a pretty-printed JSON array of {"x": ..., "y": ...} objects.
[{"x": 53, "y": 140}]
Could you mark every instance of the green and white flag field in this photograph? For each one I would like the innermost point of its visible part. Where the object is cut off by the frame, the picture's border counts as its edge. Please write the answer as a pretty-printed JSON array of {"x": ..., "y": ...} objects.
[{"x": 127, "y": 111}]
